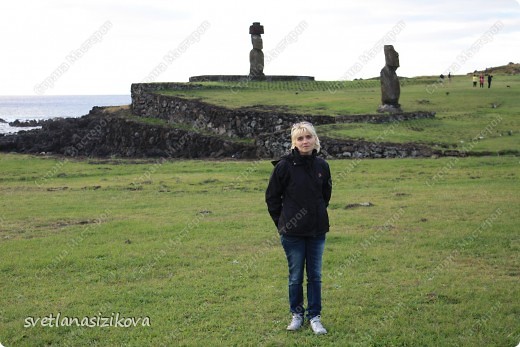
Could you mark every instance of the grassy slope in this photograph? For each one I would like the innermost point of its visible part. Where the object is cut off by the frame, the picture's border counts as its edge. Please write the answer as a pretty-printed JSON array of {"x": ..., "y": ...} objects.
[
  {"x": 463, "y": 112},
  {"x": 190, "y": 245}
]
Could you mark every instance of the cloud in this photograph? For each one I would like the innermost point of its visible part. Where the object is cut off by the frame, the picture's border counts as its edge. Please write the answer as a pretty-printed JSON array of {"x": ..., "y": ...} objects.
[{"x": 338, "y": 33}]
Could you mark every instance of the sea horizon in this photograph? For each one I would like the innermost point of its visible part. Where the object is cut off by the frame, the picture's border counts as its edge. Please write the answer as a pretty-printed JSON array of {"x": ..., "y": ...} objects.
[{"x": 42, "y": 107}]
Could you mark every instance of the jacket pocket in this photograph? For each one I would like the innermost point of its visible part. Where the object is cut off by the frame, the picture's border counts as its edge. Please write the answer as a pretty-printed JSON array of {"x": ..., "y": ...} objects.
[{"x": 293, "y": 220}]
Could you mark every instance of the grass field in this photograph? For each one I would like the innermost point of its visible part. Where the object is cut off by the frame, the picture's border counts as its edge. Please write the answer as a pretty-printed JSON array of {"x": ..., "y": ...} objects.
[
  {"x": 472, "y": 120},
  {"x": 188, "y": 247}
]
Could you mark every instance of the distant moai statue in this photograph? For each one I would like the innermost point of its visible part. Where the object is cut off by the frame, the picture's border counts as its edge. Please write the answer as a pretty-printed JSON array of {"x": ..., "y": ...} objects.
[
  {"x": 256, "y": 56},
  {"x": 390, "y": 88}
]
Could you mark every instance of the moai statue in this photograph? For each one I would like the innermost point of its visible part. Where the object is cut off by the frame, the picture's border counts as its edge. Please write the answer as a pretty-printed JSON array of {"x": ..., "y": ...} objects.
[
  {"x": 390, "y": 88},
  {"x": 256, "y": 56}
]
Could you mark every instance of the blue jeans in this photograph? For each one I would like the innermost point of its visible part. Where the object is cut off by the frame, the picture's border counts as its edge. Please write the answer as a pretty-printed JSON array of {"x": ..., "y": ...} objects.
[{"x": 304, "y": 252}]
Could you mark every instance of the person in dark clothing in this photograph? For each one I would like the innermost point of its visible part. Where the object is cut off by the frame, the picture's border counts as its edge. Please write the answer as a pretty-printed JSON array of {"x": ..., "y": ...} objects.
[
  {"x": 490, "y": 77},
  {"x": 297, "y": 197}
]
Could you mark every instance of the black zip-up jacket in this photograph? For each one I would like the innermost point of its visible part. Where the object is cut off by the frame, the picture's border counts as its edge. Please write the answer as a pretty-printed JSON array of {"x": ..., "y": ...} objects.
[{"x": 298, "y": 194}]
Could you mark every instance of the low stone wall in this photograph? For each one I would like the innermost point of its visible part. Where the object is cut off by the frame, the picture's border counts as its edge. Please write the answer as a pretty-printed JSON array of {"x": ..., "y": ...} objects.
[
  {"x": 241, "y": 78},
  {"x": 243, "y": 123},
  {"x": 240, "y": 123},
  {"x": 277, "y": 144},
  {"x": 270, "y": 129},
  {"x": 383, "y": 118}
]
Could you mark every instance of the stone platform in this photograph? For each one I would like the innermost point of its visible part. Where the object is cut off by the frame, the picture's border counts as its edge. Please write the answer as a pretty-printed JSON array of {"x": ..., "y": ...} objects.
[{"x": 242, "y": 78}]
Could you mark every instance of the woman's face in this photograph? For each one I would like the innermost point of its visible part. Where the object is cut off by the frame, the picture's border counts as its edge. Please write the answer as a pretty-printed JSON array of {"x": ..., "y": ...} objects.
[{"x": 305, "y": 143}]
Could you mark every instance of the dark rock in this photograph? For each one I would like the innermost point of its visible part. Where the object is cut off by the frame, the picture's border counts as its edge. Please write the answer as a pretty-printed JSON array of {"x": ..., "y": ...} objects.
[
  {"x": 361, "y": 204},
  {"x": 27, "y": 123},
  {"x": 100, "y": 134}
]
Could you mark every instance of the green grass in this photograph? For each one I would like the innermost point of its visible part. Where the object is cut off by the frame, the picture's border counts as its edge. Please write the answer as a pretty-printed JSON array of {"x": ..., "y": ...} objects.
[
  {"x": 465, "y": 119},
  {"x": 189, "y": 244},
  {"x": 462, "y": 115},
  {"x": 318, "y": 97}
]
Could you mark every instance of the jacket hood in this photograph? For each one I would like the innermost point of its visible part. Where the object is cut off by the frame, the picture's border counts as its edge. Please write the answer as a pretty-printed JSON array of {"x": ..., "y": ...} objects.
[{"x": 295, "y": 155}]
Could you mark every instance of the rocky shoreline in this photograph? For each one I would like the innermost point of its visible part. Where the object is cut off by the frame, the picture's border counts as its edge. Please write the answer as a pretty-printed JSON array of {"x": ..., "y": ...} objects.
[
  {"x": 115, "y": 134},
  {"x": 25, "y": 124},
  {"x": 103, "y": 134}
]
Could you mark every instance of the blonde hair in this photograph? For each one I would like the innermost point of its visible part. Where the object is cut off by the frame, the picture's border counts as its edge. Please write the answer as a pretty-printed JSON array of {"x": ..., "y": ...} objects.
[{"x": 303, "y": 127}]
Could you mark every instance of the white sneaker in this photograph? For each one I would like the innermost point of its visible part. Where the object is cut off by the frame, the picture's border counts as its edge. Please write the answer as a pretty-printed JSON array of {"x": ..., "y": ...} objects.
[
  {"x": 316, "y": 326},
  {"x": 296, "y": 322}
]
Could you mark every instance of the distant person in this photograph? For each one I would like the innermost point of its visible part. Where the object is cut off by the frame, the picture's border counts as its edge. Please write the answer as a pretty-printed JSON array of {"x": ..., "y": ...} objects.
[
  {"x": 475, "y": 81},
  {"x": 481, "y": 80},
  {"x": 449, "y": 77},
  {"x": 490, "y": 77},
  {"x": 297, "y": 197}
]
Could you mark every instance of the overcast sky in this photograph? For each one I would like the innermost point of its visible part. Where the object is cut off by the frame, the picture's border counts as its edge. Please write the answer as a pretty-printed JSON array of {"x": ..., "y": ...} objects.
[{"x": 57, "y": 47}]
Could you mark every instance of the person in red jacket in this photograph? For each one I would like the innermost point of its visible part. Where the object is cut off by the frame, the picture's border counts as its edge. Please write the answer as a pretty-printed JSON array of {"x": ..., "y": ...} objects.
[{"x": 297, "y": 197}]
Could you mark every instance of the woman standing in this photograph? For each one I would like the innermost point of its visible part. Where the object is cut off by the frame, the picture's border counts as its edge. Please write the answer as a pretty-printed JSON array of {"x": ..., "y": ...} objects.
[{"x": 297, "y": 197}]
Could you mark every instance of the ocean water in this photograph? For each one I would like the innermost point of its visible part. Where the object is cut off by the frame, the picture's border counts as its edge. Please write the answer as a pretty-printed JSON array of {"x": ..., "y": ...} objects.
[{"x": 30, "y": 107}]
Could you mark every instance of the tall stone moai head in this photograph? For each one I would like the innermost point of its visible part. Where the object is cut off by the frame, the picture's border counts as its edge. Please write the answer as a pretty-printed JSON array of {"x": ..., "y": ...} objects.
[
  {"x": 256, "y": 56},
  {"x": 256, "y": 40},
  {"x": 391, "y": 56},
  {"x": 256, "y": 30}
]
